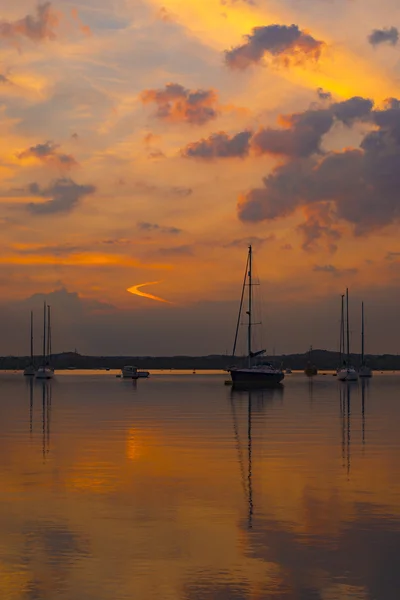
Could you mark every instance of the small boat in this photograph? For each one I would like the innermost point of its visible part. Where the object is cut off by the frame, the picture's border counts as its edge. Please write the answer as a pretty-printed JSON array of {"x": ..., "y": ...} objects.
[
  {"x": 288, "y": 371},
  {"x": 45, "y": 371},
  {"x": 364, "y": 370},
  {"x": 347, "y": 372},
  {"x": 310, "y": 369},
  {"x": 143, "y": 374},
  {"x": 130, "y": 372},
  {"x": 254, "y": 374},
  {"x": 30, "y": 370}
]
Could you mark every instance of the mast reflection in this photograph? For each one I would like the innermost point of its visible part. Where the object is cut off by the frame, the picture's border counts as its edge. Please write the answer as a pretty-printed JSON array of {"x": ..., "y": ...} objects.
[
  {"x": 46, "y": 389},
  {"x": 256, "y": 399}
]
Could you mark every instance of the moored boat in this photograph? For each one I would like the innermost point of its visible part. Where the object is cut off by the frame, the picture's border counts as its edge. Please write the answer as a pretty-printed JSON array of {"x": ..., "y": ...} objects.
[
  {"x": 45, "y": 371},
  {"x": 259, "y": 375},
  {"x": 347, "y": 372}
]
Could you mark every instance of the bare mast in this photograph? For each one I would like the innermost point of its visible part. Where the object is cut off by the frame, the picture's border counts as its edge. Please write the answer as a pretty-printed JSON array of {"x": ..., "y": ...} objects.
[
  {"x": 31, "y": 337},
  {"x": 362, "y": 334},
  {"x": 347, "y": 325},
  {"x": 44, "y": 334},
  {"x": 250, "y": 305}
]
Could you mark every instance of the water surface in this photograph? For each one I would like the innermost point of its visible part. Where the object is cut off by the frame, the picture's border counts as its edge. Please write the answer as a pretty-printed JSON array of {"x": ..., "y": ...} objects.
[{"x": 179, "y": 488}]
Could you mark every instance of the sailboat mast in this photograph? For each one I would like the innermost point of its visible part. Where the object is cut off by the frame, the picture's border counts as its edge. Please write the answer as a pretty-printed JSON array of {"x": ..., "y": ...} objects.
[
  {"x": 347, "y": 324},
  {"x": 341, "y": 349},
  {"x": 44, "y": 334},
  {"x": 48, "y": 333},
  {"x": 31, "y": 337},
  {"x": 250, "y": 305},
  {"x": 362, "y": 333}
]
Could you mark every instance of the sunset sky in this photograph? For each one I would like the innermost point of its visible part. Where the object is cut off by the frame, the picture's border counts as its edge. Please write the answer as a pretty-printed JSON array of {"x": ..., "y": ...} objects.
[{"x": 149, "y": 141}]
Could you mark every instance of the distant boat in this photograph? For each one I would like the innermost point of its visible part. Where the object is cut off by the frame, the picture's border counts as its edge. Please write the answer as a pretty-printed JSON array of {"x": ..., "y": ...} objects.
[
  {"x": 45, "y": 372},
  {"x": 288, "y": 371},
  {"x": 254, "y": 374},
  {"x": 30, "y": 370},
  {"x": 310, "y": 369},
  {"x": 347, "y": 372},
  {"x": 364, "y": 370},
  {"x": 130, "y": 372}
]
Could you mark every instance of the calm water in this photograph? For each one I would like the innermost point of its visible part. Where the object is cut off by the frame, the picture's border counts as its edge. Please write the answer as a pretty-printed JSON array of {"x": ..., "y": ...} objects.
[{"x": 178, "y": 488}]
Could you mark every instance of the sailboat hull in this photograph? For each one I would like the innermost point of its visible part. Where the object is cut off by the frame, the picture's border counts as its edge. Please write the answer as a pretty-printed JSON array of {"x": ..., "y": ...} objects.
[
  {"x": 251, "y": 377},
  {"x": 44, "y": 373},
  {"x": 30, "y": 371},
  {"x": 349, "y": 374}
]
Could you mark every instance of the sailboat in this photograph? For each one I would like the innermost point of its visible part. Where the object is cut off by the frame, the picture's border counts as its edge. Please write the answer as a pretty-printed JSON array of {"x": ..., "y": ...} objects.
[
  {"x": 30, "y": 370},
  {"x": 254, "y": 374},
  {"x": 347, "y": 372},
  {"x": 364, "y": 370},
  {"x": 310, "y": 369},
  {"x": 44, "y": 372}
]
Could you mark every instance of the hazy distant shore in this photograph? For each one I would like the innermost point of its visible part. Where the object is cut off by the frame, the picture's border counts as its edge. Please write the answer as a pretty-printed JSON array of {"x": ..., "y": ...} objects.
[{"x": 323, "y": 359}]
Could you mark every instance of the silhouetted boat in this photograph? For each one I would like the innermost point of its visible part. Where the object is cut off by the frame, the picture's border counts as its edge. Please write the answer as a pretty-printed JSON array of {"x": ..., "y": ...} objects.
[
  {"x": 130, "y": 372},
  {"x": 45, "y": 372},
  {"x": 254, "y": 374},
  {"x": 347, "y": 372},
  {"x": 310, "y": 369}
]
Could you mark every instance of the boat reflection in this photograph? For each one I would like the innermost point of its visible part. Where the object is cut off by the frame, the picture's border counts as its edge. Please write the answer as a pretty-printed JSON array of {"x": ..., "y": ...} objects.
[
  {"x": 44, "y": 389},
  {"x": 345, "y": 397},
  {"x": 256, "y": 401}
]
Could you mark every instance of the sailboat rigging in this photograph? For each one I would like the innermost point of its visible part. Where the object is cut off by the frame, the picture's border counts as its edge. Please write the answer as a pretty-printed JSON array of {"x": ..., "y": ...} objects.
[
  {"x": 44, "y": 372},
  {"x": 347, "y": 372},
  {"x": 365, "y": 370},
  {"x": 30, "y": 370},
  {"x": 254, "y": 374}
]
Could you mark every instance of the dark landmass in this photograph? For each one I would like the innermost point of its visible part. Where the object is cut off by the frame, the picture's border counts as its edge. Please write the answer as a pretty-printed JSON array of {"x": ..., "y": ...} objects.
[{"x": 322, "y": 359}]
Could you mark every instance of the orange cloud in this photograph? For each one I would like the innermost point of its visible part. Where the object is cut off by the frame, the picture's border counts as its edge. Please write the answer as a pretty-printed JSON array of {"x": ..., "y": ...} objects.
[
  {"x": 36, "y": 28},
  {"x": 135, "y": 290},
  {"x": 180, "y": 105}
]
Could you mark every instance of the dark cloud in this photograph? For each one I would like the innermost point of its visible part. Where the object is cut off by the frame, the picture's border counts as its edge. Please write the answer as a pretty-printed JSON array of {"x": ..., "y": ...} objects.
[
  {"x": 288, "y": 43},
  {"x": 47, "y": 152},
  {"x": 387, "y": 35},
  {"x": 233, "y": 2},
  {"x": 359, "y": 184},
  {"x": 184, "y": 250},
  {"x": 392, "y": 255},
  {"x": 318, "y": 229},
  {"x": 322, "y": 95},
  {"x": 64, "y": 196},
  {"x": 332, "y": 270},
  {"x": 301, "y": 137},
  {"x": 38, "y": 27},
  {"x": 143, "y": 226},
  {"x": 180, "y": 105},
  {"x": 220, "y": 145},
  {"x": 253, "y": 240},
  {"x": 174, "y": 190}
]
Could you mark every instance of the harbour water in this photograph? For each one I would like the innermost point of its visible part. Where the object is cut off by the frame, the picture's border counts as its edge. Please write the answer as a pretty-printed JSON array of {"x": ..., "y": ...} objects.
[{"x": 180, "y": 488}]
